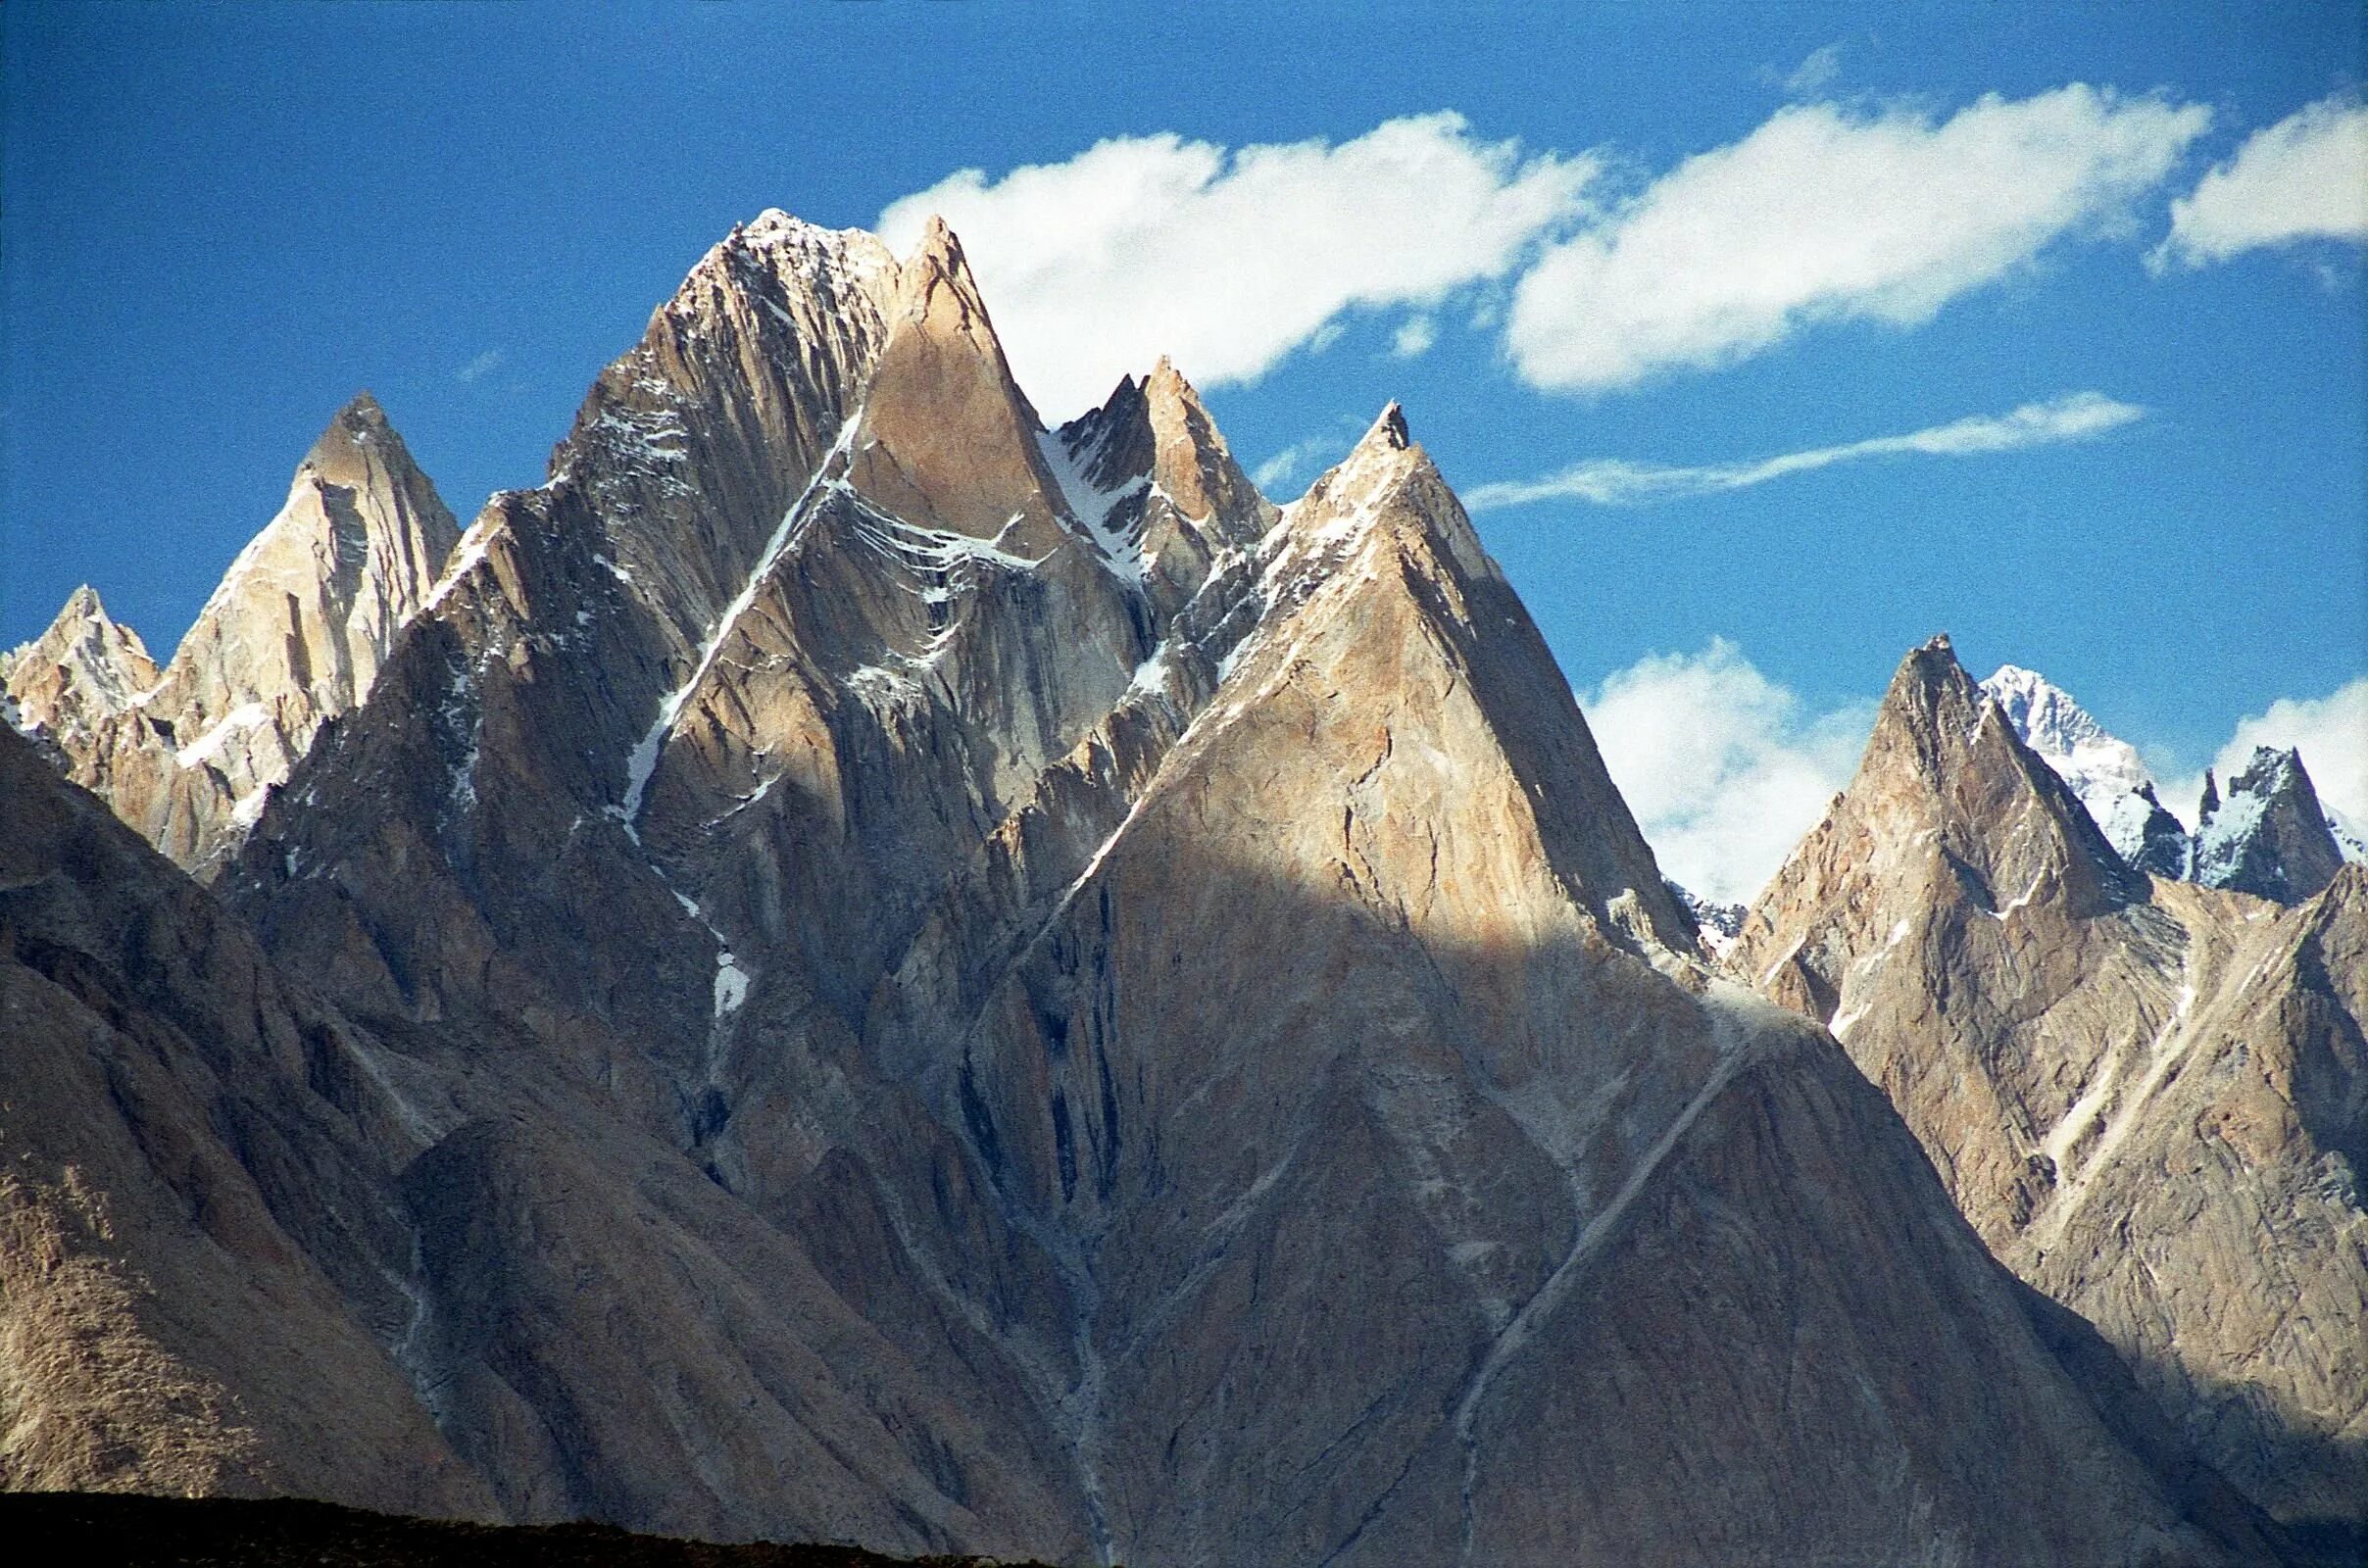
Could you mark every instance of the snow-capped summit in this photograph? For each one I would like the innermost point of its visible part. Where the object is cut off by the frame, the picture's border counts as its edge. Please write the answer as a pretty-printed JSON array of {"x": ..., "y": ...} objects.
[
  {"x": 2104, "y": 771},
  {"x": 2267, "y": 835},
  {"x": 1720, "y": 924}
]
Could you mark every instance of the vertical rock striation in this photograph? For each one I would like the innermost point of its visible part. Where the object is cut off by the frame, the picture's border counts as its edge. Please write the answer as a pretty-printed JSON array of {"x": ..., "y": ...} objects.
[{"x": 2147, "y": 1097}]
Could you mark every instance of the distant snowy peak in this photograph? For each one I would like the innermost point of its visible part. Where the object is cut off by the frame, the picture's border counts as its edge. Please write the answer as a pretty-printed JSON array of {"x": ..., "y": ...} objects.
[
  {"x": 2064, "y": 733},
  {"x": 2104, "y": 771},
  {"x": 2268, "y": 835},
  {"x": 1720, "y": 923}
]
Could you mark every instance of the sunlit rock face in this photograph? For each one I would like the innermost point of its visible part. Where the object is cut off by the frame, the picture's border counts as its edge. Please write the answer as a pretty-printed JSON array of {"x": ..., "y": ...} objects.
[
  {"x": 967, "y": 987},
  {"x": 2148, "y": 1097},
  {"x": 292, "y": 638}
]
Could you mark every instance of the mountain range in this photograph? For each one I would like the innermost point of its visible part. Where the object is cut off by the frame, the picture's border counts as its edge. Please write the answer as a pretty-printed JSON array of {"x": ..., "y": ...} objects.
[{"x": 853, "y": 967}]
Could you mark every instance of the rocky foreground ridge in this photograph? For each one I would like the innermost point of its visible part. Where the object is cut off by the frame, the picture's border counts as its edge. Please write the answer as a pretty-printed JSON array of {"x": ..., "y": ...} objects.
[{"x": 855, "y": 967}]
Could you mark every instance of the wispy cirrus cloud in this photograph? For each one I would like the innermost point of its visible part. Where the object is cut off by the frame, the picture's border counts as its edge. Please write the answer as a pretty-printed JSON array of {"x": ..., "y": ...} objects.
[
  {"x": 1614, "y": 482},
  {"x": 2304, "y": 177},
  {"x": 1825, "y": 213},
  {"x": 1813, "y": 74},
  {"x": 1307, "y": 456},
  {"x": 476, "y": 369}
]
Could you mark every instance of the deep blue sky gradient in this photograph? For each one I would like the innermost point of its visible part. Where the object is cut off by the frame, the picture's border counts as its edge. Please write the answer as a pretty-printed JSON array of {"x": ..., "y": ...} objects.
[{"x": 218, "y": 222}]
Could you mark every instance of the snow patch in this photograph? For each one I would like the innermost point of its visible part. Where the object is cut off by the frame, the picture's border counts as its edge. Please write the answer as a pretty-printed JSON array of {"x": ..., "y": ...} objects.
[
  {"x": 644, "y": 759},
  {"x": 245, "y": 716}
]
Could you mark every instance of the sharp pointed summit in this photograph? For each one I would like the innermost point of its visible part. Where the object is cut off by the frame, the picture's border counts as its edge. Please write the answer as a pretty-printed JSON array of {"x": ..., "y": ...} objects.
[
  {"x": 293, "y": 636},
  {"x": 82, "y": 672},
  {"x": 2268, "y": 835},
  {"x": 947, "y": 437},
  {"x": 2083, "y": 1055}
]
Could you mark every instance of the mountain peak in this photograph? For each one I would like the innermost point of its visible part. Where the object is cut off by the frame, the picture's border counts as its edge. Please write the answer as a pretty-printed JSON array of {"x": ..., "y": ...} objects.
[
  {"x": 292, "y": 636},
  {"x": 1948, "y": 795},
  {"x": 1389, "y": 431},
  {"x": 937, "y": 264},
  {"x": 81, "y": 604},
  {"x": 357, "y": 437},
  {"x": 2104, "y": 771},
  {"x": 83, "y": 668},
  {"x": 948, "y": 438},
  {"x": 2268, "y": 834}
]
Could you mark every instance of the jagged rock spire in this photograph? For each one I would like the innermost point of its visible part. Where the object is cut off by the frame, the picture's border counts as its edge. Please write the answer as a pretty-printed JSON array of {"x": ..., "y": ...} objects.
[
  {"x": 947, "y": 439},
  {"x": 292, "y": 636},
  {"x": 85, "y": 669},
  {"x": 2104, "y": 1072},
  {"x": 2269, "y": 835}
]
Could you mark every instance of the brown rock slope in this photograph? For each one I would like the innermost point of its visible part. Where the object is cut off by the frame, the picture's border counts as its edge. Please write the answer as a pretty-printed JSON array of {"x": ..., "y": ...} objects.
[
  {"x": 963, "y": 986},
  {"x": 175, "y": 1126},
  {"x": 292, "y": 638},
  {"x": 250, "y": 1247},
  {"x": 2149, "y": 1098}
]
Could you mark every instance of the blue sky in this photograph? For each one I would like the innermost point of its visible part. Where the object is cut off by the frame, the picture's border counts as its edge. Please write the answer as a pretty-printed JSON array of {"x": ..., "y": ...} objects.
[{"x": 218, "y": 222}]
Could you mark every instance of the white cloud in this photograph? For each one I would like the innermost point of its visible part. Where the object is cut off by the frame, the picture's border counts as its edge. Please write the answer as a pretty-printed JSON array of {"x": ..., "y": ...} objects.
[
  {"x": 1228, "y": 260},
  {"x": 1815, "y": 73},
  {"x": 2332, "y": 734},
  {"x": 1414, "y": 337},
  {"x": 2304, "y": 177},
  {"x": 1724, "y": 768},
  {"x": 1825, "y": 215},
  {"x": 1609, "y": 481},
  {"x": 476, "y": 369}
]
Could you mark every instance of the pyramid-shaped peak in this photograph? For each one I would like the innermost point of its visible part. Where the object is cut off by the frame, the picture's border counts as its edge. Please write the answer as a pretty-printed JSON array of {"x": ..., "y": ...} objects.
[
  {"x": 1389, "y": 431},
  {"x": 940, "y": 251},
  {"x": 361, "y": 446},
  {"x": 2267, "y": 835},
  {"x": 1379, "y": 462},
  {"x": 83, "y": 618},
  {"x": 1168, "y": 385},
  {"x": 84, "y": 665},
  {"x": 948, "y": 437}
]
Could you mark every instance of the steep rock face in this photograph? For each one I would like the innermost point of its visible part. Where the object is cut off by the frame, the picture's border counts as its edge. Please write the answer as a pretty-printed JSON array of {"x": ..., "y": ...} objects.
[
  {"x": 249, "y": 1247},
  {"x": 2147, "y": 1097},
  {"x": 1388, "y": 1269},
  {"x": 942, "y": 1012},
  {"x": 957, "y": 1019},
  {"x": 293, "y": 637},
  {"x": 1154, "y": 484},
  {"x": 195, "y": 1246},
  {"x": 2268, "y": 835}
]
